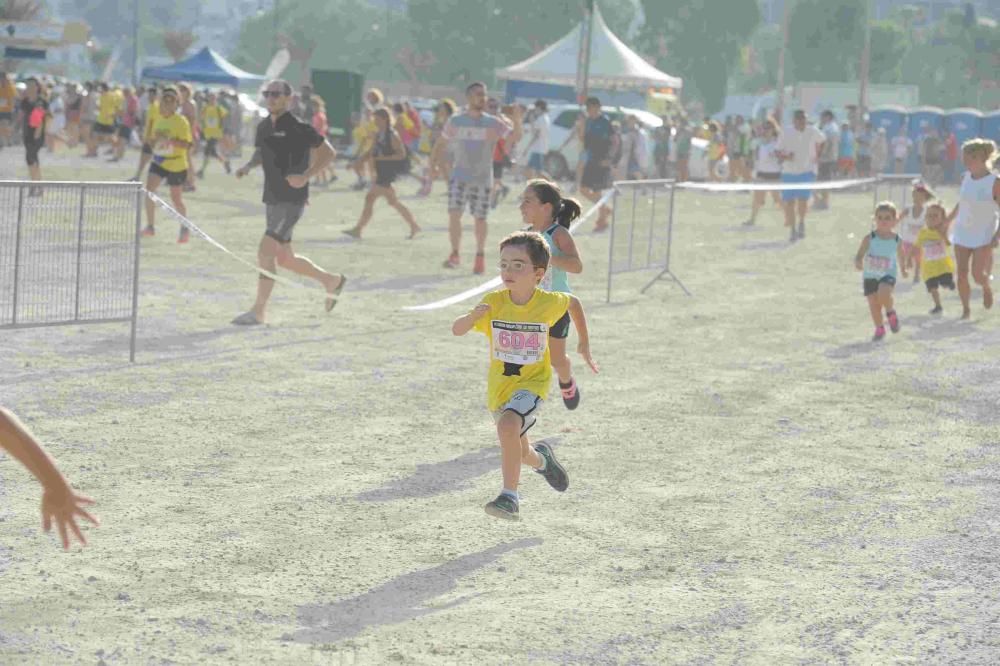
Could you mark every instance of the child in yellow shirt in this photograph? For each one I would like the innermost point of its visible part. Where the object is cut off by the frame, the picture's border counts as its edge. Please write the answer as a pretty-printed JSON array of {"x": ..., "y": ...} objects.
[
  {"x": 932, "y": 244},
  {"x": 517, "y": 320}
]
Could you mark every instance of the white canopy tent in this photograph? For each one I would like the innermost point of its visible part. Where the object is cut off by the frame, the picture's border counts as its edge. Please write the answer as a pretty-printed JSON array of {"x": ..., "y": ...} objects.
[{"x": 613, "y": 65}]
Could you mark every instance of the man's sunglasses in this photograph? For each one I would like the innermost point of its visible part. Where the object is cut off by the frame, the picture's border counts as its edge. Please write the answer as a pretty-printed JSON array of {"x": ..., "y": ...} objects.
[{"x": 274, "y": 93}]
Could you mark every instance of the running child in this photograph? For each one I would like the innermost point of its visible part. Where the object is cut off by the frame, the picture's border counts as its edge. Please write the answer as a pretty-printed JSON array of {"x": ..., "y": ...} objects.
[
  {"x": 911, "y": 222},
  {"x": 212, "y": 117},
  {"x": 517, "y": 320},
  {"x": 879, "y": 256},
  {"x": 60, "y": 503},
  {"x": 975, "y": 233},
  {"x": 388, "y": 155},
  {"x": 550, "y": 214},
  {"x": 932, "y": 244}
]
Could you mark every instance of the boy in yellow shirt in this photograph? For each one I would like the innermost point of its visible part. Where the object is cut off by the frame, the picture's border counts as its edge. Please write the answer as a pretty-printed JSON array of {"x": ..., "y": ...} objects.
[
  {"x": 517, "y": 320},
  {"x": 212, "y": 115},
  {"x": 932, "y": 244}
]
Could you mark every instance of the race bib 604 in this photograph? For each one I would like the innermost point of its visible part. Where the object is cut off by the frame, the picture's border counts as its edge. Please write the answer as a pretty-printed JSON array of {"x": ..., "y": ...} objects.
[{"x": 519, "y": 342}]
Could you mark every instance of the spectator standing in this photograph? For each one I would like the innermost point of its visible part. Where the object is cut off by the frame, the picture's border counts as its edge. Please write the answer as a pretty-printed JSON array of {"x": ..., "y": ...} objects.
[
  {"x": 880, "y": 152},
  {"x": 845, "y": 163},
  {"x": 950, "y": 156},
  {"x": 864, "y": 150},
  {"x": 597, "y": 147},
  {"x": 828, "y": 156},
  {"x": 901, "y": 146},
  {"x": 538, "y": 141}
]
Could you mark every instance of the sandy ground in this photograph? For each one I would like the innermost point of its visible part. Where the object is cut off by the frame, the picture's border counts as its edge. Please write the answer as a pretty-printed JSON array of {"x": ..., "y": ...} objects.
[{"x": 752, "y": 481}]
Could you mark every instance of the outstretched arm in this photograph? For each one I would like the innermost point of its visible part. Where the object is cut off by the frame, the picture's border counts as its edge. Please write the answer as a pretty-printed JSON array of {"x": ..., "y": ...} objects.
[
  {"x": 59, "y": 501},
  {"x": 580, "y": 322}
]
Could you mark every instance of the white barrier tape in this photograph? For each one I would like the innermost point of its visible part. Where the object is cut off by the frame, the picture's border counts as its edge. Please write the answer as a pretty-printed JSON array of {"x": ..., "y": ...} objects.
[
  {"x": 776, "y": 186},
  {"x": 204, "y": 236},
  {"x": 496, "y": 282}
]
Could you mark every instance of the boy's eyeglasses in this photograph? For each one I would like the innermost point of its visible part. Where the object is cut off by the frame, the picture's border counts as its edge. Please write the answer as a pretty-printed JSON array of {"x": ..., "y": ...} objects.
[
  {"x": 274, "y": 93},
  {"x": 515, "y": 266}
]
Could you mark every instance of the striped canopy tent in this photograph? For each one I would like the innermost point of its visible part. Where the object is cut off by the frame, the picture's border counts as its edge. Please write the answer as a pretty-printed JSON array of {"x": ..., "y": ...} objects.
[{"x": 613, "y": 65}]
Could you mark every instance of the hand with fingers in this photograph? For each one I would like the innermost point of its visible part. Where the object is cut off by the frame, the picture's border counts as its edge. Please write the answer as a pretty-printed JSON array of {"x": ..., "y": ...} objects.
[
  {"x": 584, "y": 350},
  {"x": 62, "y": 506},
  {"x": 60, "y": 503}
]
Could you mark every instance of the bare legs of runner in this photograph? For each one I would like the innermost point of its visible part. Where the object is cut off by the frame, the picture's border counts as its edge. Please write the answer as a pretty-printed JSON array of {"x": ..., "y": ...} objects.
[{"x": 270, "y": 255}]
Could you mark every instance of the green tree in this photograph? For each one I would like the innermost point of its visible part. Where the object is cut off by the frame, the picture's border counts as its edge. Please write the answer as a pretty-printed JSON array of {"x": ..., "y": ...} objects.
[
  {"x": 331, "y": 34},
  {"x": 470, "y": 40},
  {"x": 699, "y": 40},
  {"x": 825, "y": 40},
  {"x": 889, "y": 47}
]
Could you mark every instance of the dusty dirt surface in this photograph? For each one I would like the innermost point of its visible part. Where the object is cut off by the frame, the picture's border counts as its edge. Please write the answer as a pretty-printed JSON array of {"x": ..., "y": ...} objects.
[{"x": 751, "y": 480}]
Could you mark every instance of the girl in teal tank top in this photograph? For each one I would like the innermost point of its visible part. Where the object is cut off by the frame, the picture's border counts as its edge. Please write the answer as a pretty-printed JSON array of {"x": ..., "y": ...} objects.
[
  {"x": 550, "y": 213},
  {"x": 879, "y": 257}
]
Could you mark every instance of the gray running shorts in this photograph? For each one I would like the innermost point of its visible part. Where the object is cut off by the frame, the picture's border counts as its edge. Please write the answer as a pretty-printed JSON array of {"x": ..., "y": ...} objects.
[{"x": 281, "y": 218}]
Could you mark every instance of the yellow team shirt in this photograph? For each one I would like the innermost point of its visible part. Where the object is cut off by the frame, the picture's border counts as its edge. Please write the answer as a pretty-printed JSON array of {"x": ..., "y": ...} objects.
[
  {"x": 174, "y": 127},
  {"x": 211, "y": 121},
  {"x": 8, "y": 96},
  {"x": 108, "y": 106},
  {"x": 152, "y": 115},
  {"x": 934, "y": 258},
  {"x": 519, "y": 336}
]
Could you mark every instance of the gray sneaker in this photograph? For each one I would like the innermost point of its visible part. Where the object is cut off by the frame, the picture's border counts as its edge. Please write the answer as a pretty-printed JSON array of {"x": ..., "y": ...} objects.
[
  {"x": 246, "y": 319},
  {"x": 554, "y": 473},
  {"x": 802, "y": 230},
  {"x": 503, "y": 507}
]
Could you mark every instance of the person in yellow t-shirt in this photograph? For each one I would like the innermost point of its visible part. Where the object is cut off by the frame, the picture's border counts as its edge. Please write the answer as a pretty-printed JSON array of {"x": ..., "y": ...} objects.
[
  {"x": 152, "y": 115},
  {"x": 212, "y": 115},
  {"x": 8, "y": 102},
  {"x": 108, "y": 105},
  {"x": 932, "y": 245},
  {"x": 171, "y": 140},
  {"x": 517, "y": 320},
  {"x": 364, "y": 133}
]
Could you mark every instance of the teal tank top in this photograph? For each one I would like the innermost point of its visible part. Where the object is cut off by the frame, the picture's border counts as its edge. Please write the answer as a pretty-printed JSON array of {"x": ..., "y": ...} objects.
[
  {"x": 555, "y": 279},
  {"x": 881, "y": 258}
]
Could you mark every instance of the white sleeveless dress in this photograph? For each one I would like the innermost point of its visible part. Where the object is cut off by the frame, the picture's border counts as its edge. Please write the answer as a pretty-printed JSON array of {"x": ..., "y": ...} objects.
[
  {"x": 910, "y": 225},
  {"x": 978, "y": 214}
]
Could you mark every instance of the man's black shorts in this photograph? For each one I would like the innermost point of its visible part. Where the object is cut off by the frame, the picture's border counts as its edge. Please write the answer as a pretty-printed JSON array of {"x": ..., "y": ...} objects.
[
  {"x": 100, "y": 128},
  {"x": 596, "y": 176},
  {"x": 826, "y": 170},
  {"x": 31, "y": 149},
  {"x": 211, "y": 147},
  {"x": 173, "y": 178}
]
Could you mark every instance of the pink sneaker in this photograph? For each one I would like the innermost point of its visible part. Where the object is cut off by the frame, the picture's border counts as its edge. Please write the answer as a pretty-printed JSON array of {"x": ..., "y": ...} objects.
[
  {"x": 453, "y": 261},
  {"x": 893, "y": 321},
  {"x": 879, "y": 333}
]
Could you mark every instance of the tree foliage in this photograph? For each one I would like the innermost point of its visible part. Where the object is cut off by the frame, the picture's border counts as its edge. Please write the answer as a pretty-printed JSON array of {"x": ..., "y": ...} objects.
[
  {"x": 825, "y": 39},
  {"x": 177, "y": 43},
  {"x": 699, "y": 40}
]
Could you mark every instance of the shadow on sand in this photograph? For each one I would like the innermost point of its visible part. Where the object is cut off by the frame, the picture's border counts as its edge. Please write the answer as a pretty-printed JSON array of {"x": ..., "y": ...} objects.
[
  {"x": 443, "y": 477},
  {"x": 401, "y": 599}
]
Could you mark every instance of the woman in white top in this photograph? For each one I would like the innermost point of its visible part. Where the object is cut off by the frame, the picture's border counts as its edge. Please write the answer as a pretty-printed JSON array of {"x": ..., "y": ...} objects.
[
  {"x": 975, "y": 231},
  {"x": 767, "y": 168}
]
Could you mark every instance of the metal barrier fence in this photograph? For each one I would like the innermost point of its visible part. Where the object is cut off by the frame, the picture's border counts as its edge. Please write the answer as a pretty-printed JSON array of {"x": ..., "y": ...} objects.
[
  {"x": 645, "y": 243},
  {"x": 896, "y": 184},
  {"x": 69, "y": 253}
]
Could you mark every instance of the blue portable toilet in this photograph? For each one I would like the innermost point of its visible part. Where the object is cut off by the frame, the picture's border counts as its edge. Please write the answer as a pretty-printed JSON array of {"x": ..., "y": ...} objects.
[
  {"x": 921, "y": 119},
  {"x": 965, "y": 123},
  {"x": 991, "y": 126},
  {"x": 888, "y": 117}
]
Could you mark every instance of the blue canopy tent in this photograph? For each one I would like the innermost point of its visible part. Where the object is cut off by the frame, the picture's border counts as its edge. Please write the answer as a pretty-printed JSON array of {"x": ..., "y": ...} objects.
[
  {"x": 205, "y": 66},
  {"x": 991, "y": 126}
]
